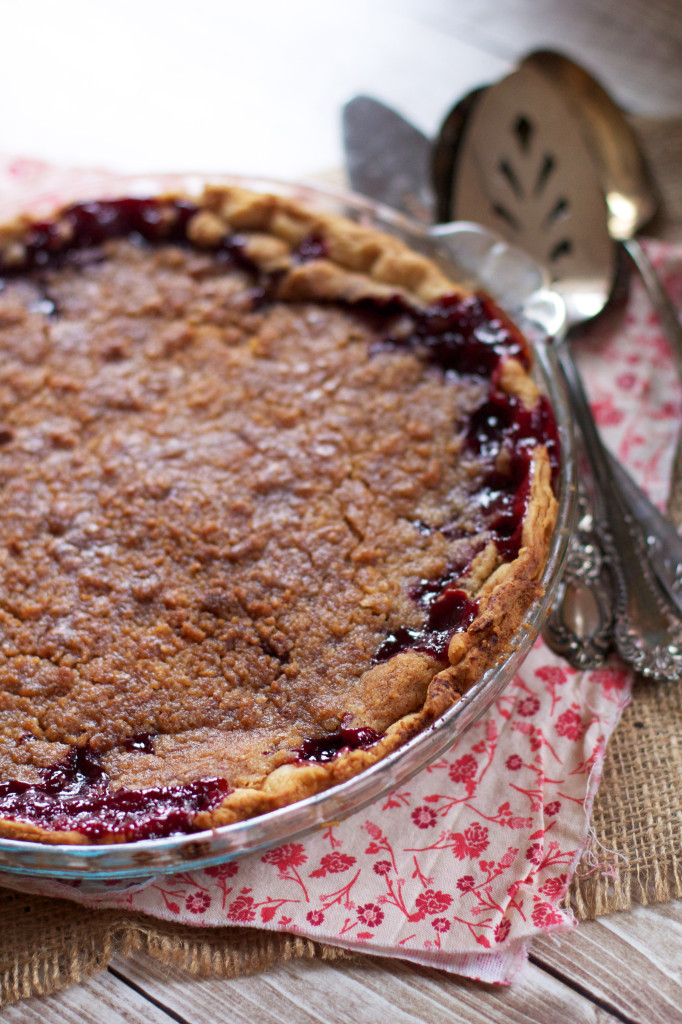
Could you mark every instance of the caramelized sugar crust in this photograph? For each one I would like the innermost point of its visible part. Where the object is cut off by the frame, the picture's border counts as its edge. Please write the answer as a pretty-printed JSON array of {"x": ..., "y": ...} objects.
[
  {"x": 213, "y": 516},
  {"x": 246, "y": 495}
]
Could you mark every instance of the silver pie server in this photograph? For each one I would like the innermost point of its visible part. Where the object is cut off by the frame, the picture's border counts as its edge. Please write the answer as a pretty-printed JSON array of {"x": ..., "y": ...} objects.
[
  {"x": 387, "y": 158},
  {"x": 628, "y": 187},
  {"x": 515, "y": 160}
]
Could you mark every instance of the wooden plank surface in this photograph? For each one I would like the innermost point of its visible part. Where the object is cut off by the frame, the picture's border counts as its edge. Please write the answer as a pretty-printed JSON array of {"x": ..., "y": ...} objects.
[
  {"x": 630, "y": 963},
  {"x": 364, "y": 991},
  {"x": 101, "y": 1000},
  {"x": 627, "y": 967}
]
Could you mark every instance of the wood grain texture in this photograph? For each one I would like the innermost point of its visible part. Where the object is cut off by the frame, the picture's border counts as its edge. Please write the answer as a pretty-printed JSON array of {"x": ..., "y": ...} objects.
[
  {"x": 627, "y": 967},
  {"x": 101, "y": 1000},
  {"x": 656, "y": 934},
  {"x": 631, "y": 963},
  {"x": 361, "y": 991},
  {"x": 633, "y": 46}
]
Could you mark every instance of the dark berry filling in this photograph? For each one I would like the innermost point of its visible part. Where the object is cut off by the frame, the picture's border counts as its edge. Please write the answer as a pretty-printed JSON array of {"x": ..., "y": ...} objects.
[
  {"x": 464, "y": 335},
  {"x": 449, "y": 611},
  {"x": 76, "y": 796},
  {"x": 471, "y": 336},
  {"x": 311, "y": 248},
  {"x": 468, "y": 335},
  {"x": 86, "y": 224},
  {"x": 326, "y": 748}
]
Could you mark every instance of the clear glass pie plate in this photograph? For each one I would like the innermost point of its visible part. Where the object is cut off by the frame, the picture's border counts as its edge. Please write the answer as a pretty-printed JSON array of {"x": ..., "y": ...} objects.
[{"x": 520, "y": 287}]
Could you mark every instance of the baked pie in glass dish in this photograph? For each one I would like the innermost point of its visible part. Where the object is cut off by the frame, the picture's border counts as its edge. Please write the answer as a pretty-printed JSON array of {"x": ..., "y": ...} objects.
[{"x": 277, "y": 495}]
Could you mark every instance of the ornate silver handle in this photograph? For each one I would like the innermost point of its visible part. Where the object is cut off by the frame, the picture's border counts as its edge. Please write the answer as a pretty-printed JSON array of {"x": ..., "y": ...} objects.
[
  {"x": 579, "y": 626},
  {"x": 663, "y": 542},
  {"x": 647, "y": 613}
]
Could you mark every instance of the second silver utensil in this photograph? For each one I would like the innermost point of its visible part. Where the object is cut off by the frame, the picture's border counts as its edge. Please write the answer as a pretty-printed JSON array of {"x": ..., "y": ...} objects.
[{"x": 628, "y": 188}]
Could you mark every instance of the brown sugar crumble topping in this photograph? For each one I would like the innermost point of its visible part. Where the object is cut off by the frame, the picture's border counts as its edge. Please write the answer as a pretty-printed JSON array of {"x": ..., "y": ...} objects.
[{"x": 269, "y": 506}]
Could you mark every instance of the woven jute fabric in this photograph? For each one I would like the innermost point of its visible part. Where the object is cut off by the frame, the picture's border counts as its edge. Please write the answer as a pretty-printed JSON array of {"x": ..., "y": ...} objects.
[
  {"x": 634, "y": 854},
  {"x": 635, "y": 849},
  {"x": 48, "y": 944}
]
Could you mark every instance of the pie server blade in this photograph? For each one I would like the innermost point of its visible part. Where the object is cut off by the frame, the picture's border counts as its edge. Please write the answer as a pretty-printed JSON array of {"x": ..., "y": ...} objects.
[{"x": 388, "y": 159}]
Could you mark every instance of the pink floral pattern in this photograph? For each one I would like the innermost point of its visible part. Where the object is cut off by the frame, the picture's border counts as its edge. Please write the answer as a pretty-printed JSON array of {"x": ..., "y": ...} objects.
[{"x": 473, "y": 856}]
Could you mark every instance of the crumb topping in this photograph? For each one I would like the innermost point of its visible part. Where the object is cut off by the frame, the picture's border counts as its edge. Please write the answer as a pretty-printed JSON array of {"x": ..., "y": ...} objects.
[{"x": 211, "y": 516}]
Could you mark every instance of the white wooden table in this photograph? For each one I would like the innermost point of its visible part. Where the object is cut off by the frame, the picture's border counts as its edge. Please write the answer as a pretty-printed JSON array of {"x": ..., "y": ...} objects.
[{"x": 256, "y": 87}]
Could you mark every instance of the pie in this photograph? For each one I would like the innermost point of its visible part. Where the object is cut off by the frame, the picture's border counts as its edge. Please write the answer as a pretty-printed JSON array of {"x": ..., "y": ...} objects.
[{"x": 275, "y": 493}]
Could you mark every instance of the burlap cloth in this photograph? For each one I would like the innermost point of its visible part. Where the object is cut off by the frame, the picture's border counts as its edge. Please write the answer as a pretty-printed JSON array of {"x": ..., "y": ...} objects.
[{"x": 634, "y": 856}]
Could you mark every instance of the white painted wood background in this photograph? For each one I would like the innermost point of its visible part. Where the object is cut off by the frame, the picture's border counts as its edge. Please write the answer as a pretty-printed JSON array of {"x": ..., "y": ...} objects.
[{"x": 255, "y": 86}]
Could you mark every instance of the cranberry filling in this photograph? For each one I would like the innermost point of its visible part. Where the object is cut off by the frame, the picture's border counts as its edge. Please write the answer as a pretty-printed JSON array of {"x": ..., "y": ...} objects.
[
  {"x": 502, "y": 420},
  {"x": 312, "y": 247},
  {"x": 466, "y": 335},
  {"x": 326, "y": 748},
  {"x": 142, "y": 742},
  {"x": 88, "y": 224},
  {"x": 76, "y": 796},
  {"x": 83, "y": 225},
  {"x": 449, "y": 611},
  {"x": 471, "y": 336}
]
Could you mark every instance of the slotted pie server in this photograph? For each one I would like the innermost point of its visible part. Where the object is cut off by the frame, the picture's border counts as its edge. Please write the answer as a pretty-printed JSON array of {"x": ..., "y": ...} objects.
[
  {"x": 631, "y": 196},
  {"x": 514, "y": 159}
]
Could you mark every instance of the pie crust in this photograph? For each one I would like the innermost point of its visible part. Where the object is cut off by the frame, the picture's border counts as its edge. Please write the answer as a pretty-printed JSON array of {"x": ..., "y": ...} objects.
[{"x": 181, "y": 650}]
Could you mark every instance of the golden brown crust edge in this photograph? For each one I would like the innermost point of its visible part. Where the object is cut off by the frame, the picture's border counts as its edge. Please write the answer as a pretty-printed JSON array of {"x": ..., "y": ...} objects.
[
  {"x": 361, "y": 263},
  {"x": 505, "y": 595},
  {"x": 504, "y": 601}
]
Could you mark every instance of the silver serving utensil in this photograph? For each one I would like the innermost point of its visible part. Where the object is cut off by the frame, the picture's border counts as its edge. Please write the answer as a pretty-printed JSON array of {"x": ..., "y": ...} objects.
[
  {"x": 387, "y": 158},
  {"x": 630, "y": 193},
  {"x": 522, "y": 168}
]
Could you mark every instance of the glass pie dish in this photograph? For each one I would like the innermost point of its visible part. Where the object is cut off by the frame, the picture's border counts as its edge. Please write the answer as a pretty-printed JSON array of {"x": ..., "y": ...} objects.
[{"x": 519, "y": 287}]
